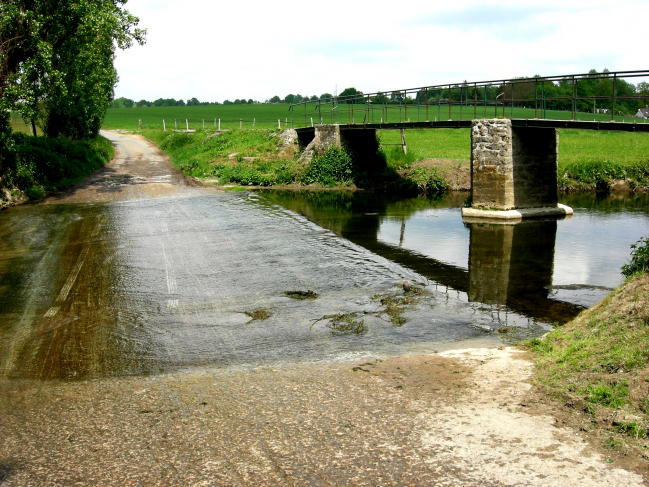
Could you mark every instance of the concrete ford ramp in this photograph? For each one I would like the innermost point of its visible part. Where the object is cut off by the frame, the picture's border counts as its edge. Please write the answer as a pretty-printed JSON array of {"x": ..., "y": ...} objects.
[{"x": 126, "y": 356}]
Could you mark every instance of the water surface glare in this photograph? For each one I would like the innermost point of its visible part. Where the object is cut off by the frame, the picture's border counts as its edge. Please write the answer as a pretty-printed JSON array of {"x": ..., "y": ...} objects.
[{"x": 142, "y": 287}]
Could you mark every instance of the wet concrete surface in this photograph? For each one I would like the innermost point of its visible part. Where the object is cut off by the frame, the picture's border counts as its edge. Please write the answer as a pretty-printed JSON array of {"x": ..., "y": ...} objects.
[
  {"x": 126, "y": 356},
  {"x": 161, "y": 277}
]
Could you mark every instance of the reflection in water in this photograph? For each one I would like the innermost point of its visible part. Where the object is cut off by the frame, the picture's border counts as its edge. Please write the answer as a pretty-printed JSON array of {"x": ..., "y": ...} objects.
[
  {"x": 512, "y": 265},
  {"x": 508, "y": 265},
  {"x": 142, "y": 287}
]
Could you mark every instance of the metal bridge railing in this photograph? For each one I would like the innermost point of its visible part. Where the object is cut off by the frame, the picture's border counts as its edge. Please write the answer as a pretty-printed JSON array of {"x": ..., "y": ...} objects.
[{"x": 597, "y": 96}]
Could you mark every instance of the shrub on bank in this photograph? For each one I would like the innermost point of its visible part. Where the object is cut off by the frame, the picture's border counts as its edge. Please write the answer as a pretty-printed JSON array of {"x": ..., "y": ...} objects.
[
  {"x": 254, "y": 157},
  {"x": 639, "y": 258},
  {"x": 34, "y": 165},
  {"x": 589, "y": 175},
  {"x": 333, "y": 167}
]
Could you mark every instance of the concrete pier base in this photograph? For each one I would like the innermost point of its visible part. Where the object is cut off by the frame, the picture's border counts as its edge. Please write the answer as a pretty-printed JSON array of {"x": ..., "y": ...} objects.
[
  {"x": 513, "y": 171},
  {"x": 518, "y": 214}
]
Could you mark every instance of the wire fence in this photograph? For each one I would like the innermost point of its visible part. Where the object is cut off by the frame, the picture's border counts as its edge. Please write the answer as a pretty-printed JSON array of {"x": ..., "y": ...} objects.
[{"x": 186, "y": 124}]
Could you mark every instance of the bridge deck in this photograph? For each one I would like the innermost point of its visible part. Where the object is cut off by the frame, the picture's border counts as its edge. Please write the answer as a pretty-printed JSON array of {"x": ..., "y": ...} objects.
[{"x": 516, "y": 122}]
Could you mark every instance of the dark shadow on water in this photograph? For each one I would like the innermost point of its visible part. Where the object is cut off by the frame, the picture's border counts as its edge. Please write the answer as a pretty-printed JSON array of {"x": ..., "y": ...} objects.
[{"x": 508, "y": 264}]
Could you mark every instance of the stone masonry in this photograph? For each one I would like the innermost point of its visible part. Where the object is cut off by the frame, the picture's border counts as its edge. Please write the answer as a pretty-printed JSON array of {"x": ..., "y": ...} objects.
[
  {"x": 513, "y": 167},
  {"x": 325, "y": 136}
]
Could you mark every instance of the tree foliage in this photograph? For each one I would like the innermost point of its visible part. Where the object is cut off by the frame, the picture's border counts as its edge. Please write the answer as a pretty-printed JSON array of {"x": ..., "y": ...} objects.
[
  {"x": 354, "y": 96},
  {"x": 56, "y": 61}
]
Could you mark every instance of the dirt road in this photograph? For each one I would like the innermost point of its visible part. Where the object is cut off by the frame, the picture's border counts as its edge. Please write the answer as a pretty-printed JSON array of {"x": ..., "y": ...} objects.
[{"x": 106, "y": 394}]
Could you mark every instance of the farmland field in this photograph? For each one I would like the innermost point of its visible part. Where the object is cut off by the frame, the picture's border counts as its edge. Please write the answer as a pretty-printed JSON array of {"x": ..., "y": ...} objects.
[
  {"x": 267, "y": 115},
  {"x": 580, "y": 150}
]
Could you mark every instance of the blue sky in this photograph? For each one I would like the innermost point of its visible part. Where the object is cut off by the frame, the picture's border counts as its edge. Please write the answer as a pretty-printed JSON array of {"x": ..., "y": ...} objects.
[{"x": 216, "y": 50}]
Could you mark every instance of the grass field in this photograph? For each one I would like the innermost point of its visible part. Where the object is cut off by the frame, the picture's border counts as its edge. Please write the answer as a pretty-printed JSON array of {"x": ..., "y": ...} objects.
[
  {"x": 267, "y": 115},
  {"x": 586, "y": 158}
]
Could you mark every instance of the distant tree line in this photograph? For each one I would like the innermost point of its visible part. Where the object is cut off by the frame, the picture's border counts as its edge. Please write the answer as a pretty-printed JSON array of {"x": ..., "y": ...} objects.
[
  {"x": 522, "y": 94},
  {"x": 171, "y": 102}
]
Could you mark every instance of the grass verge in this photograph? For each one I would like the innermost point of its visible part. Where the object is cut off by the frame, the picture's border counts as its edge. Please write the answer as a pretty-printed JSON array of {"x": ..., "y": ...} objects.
[
  {"x": 599, "y": 363},
  {"x": 437, "y": 160},
  {"x": 33, "y": 166},
  {"x": 259, "y": 157}
]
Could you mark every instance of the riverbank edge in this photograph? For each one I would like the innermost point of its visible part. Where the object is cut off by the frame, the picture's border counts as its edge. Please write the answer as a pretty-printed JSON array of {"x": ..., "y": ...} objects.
[
  {"x": 595, "y": 369},
  {"x": 447, "y": 174}
]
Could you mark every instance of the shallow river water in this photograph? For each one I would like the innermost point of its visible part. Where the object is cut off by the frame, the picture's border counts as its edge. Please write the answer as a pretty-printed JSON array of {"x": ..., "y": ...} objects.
[{"x": 148, "y": 286}]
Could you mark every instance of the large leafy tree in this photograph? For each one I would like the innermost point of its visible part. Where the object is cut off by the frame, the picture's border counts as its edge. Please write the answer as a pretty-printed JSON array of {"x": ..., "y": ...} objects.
[
  {"x": 352, "y": 95},
  {"x": 56, "y": 61}
]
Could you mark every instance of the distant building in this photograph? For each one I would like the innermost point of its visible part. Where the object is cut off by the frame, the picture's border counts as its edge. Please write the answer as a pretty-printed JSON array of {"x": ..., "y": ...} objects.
[{"x": 643, "y": 113}]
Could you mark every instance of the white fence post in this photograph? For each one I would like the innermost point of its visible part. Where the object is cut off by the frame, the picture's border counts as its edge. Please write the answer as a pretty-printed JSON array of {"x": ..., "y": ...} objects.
[
  {"x": 240, "y": 123},
  {"x": 164, "y": 128},
  {"x": 253, "y": 123},
  {"x": 219, "y": 124},
  {"x": 203, "y": 124},
  {"x": 139, "y": 124},
  {"x": 311, "y": 121},
  {"x": 279, "y": 123},
  {"x": 187, "y": 125}
]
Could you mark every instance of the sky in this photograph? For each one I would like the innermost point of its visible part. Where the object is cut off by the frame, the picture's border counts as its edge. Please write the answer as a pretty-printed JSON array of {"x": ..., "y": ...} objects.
[{"x": 217, "y": 50}]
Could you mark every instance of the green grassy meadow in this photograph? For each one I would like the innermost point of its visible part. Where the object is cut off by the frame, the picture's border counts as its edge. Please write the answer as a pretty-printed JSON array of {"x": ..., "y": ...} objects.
[
  {"x": 587, "y": 159},
  {"x": 266, "y": 115}
]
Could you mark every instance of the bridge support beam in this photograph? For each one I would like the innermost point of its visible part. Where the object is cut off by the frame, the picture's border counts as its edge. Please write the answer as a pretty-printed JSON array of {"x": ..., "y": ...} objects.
[
  {"x": 513, "y": 171},
  {"x": 361, "y": 140}
]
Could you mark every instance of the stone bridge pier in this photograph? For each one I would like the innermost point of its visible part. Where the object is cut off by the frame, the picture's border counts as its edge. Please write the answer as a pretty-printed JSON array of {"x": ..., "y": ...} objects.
[
  {"x": 513, "y": 171},
  {"x": 318, "y": 140}
]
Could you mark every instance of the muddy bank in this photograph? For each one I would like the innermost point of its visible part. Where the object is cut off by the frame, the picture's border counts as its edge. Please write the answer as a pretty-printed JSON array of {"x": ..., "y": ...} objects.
[{"x": 457, "y": 418}]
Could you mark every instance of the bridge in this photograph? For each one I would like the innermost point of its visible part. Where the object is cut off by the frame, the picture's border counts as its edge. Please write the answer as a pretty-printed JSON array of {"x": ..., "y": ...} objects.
[{"x": 513, "y": 122}]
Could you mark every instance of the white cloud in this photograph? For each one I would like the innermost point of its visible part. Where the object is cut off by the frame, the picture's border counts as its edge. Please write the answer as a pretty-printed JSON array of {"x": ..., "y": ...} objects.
[{"x": 257, "y": 49}]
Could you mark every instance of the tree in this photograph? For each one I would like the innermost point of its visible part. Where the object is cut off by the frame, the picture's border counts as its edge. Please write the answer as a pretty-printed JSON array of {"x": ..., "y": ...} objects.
[
  {"x": 122, "y": 103},
  {"x": 56, "y": 61},
  {"x": 193, "y": 102},
  {"x": 289, "y": 99},
  {"x": 643, "y": 89},
  {"x": 351, "y": 96},
  {"x": 326, "y": 97},
  {"x": 275, "y": 99}
]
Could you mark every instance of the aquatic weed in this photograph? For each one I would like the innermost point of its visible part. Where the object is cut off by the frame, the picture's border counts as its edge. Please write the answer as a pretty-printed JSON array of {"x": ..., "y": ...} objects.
[
  {"x": 258, "y": 314},
  {"x": 301, "y": 294}
]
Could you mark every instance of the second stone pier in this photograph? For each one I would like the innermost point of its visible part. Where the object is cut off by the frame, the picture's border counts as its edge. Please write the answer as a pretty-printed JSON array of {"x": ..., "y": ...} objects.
[{"x": 513, "y": 171}]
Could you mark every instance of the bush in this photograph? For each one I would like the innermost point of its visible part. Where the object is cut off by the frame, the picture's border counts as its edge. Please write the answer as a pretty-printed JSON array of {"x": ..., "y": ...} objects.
[
  {"x": 333, "y": 167},
  {"x": 428, "y": 180},
  {"x": 639, "y": 258},
  {"x": 35, "y": 164}
]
